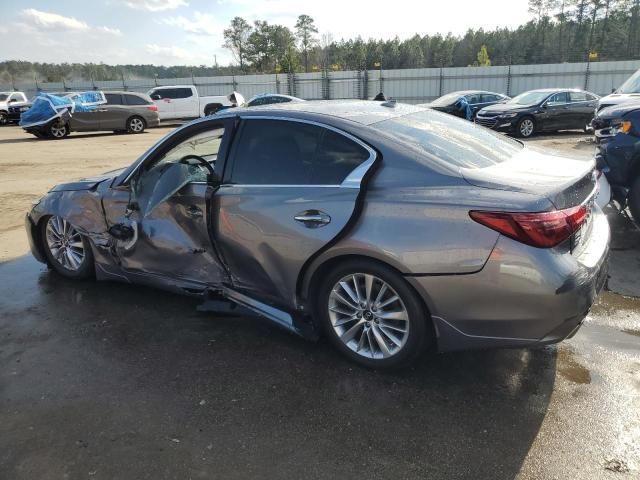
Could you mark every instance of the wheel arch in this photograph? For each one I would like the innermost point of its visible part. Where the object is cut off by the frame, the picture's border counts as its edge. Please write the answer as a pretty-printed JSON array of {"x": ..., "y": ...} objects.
[
  {"x": 323, "y": 264},
  {"x": 135, "y": 115}
]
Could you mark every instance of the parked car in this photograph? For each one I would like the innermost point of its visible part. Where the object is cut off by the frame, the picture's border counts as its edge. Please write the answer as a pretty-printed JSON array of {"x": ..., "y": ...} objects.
[
  {"x": 628, "y": 91},
  {"x": 477, "y": 99},
  {"x": 184, "y": 101},
  {"x": 124, "y": 112},
  {"x": 543, "y": 110},
  {"x": 386, "y": 226},
  {"x": 8, "y": 99},
  {"x": 270, "y": 98},
  {"x": 617, "y": 131},
  {"x": 15, "y": 110}
]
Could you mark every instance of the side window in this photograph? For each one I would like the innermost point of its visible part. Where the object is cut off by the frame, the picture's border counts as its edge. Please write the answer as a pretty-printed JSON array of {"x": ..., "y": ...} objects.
[
  {"x": 183, "y": 93},
  {"x": 257, "y": 101},
  {"x": 167, "y": 92},
  {"x": 279, "y": 152},
  {"x": 113, "y": 98},
  {"x": 488, "y": 98},
  {"x": 578, "y": 96},
  {"x": 559, "y": 99},
  {"x": 135, "y": 100},
  {"x": 472, "y": 99}
]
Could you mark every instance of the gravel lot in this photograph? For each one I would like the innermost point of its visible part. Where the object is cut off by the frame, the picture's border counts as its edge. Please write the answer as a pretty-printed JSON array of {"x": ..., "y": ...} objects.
[{"x": 105, "y": 381}]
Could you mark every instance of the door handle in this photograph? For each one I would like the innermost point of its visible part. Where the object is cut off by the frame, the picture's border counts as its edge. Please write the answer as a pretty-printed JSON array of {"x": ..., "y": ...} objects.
[
  {"x": 193, "y": 211},
  {"x": 312, "y": 218}
]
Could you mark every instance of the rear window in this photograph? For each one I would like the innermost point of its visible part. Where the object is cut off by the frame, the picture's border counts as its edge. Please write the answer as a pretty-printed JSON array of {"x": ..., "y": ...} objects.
[
  {"x": 135, "y": 100},
  {"x": 452, "y": 140}
]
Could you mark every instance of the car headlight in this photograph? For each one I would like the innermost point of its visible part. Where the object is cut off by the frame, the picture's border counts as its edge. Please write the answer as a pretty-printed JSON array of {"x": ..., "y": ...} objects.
[
  {"x": 508, "y": 115},
  {"x": 622, "y": 127}
]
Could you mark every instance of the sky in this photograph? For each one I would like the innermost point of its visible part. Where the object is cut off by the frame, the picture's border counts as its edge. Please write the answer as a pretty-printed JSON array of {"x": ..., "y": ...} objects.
[{"x": 189, "y": 32}]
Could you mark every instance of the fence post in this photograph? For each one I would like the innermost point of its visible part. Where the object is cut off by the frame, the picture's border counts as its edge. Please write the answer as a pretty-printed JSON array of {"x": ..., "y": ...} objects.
[
  {"x": 365, "y": 89},
  {"x": 587, "y": 74},
  {"x": 359, "y": 84},
  {"x": 124, "y": 85},
  {"x": 326, "y": 94},
  {"x": 277, "y": 84},
  {"x": 234, "y": 84},
  {"x": 509, "y": 81},
  {"x": 440, "y": 82}
]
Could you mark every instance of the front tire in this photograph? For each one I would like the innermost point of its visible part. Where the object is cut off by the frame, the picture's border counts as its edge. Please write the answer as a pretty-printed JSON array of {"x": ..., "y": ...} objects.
[
  {"x": 371, "y": 314},
  {"x": 136, "y": 125},
  {"x": 69, "y": 252},
  {"x": 58, "y": 130},
  {"x": 4, "y": 119},
  {"x": 633, "y": 200},
  {"x": 526, "y": 127}
]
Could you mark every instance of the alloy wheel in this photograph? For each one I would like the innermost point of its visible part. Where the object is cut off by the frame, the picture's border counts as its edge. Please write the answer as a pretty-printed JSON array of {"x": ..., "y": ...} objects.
[
  {"x": 526, "y": 127},
  {"x": 136, "y": 125},
  {"x": 368, "y": 316},
  {"x": 58, "y": 130},
  {"x": 65, "y": 243}
]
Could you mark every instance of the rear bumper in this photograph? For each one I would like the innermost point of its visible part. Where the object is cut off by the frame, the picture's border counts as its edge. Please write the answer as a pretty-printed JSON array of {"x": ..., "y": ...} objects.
[{"x": 523, "y": 296}]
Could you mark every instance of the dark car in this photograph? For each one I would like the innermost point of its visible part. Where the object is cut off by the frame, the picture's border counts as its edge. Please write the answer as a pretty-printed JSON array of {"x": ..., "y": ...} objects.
[
  {"x": 124, "y": 112},
  {"x": 477, "y": 100},
  {"x": 617, "y": 131},
  {"x": 15, "y": 110},
  {"x": 545, "y": 110},
  {"x": 386, "y": 226},
  {"x": 271, "y": 98}
]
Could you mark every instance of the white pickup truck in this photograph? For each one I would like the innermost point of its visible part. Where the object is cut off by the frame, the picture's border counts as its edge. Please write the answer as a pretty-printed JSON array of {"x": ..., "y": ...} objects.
[
  {"x": 8, "y": 99},
  {"x": 183, "y": 101}
]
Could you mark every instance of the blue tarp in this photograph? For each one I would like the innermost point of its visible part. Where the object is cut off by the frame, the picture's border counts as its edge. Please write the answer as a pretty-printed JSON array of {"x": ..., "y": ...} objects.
[
  {"x": 462, "y": 104},
  {"x": 46, "y": 107}
]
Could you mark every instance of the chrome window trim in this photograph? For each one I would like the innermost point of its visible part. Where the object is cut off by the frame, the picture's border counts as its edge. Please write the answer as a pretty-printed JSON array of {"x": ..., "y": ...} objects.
[{"x": 353, "y": 180}]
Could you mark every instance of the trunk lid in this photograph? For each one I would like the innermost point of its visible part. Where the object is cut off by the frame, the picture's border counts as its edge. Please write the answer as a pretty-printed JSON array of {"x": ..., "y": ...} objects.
[{"x": 564, "y": 182}]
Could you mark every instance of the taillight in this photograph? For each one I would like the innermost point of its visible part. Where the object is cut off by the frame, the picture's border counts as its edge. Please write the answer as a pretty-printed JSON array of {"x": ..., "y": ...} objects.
[
  {"x": 153, "y": 108},
  {"x": 543, "y": 229}
]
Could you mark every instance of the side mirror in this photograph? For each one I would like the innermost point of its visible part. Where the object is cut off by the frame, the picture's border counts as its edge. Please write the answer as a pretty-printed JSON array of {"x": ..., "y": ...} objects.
[{"x": 156, "y": 96}]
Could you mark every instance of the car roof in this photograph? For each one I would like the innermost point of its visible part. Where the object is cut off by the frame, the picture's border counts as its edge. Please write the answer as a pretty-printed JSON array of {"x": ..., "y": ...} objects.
[
  {"x": 551, "y": 90},
  {"x": 365, "y": 112},
  {"x": 123, "y": 92}
]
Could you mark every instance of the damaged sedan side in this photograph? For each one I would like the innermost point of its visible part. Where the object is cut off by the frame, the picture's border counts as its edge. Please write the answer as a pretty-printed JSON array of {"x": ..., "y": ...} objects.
[{"x": 364, "y": 221}]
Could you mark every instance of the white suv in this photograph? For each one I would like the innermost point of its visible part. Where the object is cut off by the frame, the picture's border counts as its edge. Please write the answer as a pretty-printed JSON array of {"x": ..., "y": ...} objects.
[{"x": 6, "y": 99}]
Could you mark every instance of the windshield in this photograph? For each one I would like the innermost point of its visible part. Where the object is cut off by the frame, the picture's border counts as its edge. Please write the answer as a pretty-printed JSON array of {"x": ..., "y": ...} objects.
[
  {"x": 446, "y": 100},
  {"x": 453, "y": 140},
  {"x": 3, "y": 97},
  {"x": 529, "y": 98},
  {"x": 632, "y": 85}
]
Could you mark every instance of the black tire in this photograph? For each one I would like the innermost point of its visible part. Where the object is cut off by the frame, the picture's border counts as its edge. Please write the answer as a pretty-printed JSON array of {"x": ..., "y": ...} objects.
[
  {"x": 86, "y": 267},
  {"x": 526, "y": 132},
  {"x": 4, "y": 119},
  {"x": 136, "y": 124},
  {"x": 58, "y": 130},
  {"x": 419, "y": 332},
  {"x": 634, "y": 200}
]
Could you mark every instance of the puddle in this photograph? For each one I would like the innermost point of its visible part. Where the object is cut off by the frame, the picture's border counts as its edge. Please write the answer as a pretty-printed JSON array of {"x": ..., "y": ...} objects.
[{"x": 570, "y": 369}]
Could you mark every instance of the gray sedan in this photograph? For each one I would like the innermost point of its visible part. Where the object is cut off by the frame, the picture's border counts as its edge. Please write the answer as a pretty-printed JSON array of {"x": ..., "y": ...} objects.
[{"x": 386, "y": 227}]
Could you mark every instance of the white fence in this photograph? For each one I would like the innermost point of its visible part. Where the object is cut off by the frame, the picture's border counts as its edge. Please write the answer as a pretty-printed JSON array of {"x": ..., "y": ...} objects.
[{"x": 408, "y": 85}]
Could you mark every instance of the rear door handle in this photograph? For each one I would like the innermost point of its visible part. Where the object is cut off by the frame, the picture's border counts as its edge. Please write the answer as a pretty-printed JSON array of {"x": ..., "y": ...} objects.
[
  {"x": 193, "y": 211},
  {"x": 312, "y": 218}
]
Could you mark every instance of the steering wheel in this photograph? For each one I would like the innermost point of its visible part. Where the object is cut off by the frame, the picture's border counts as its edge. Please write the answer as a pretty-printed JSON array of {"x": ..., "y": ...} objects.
[{"x": 199, "y": 161}]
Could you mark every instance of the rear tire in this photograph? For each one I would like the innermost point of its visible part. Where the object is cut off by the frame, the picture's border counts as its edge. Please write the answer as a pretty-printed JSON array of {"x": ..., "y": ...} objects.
[
  {"x": 633, "y": 200},
  {"x": 373, "y": 330},
  {"x": 136, "y": 125},
  {"x": 68, "y": 252},
  {"x": 526, "y": 127},
  {"x": 4, "y": 119}
]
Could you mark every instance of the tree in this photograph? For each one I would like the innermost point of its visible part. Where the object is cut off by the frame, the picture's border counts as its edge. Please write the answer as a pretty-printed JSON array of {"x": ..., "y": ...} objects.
[
  {"x": 236, "y": 38},
  {"x": 305, "y": 30},
  {"x": 483, "y": 58}
]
